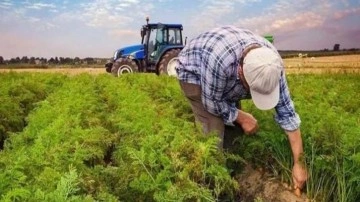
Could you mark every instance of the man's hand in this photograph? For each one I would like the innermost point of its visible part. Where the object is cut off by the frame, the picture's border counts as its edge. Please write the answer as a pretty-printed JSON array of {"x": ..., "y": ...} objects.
[
  {"x": 247, "y": 122},
  {"x": 299, "y": 175}
]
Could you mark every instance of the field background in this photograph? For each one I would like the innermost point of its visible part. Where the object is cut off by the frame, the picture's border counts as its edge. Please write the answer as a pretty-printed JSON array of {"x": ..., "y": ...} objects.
[{"x": 324, "y": 64}]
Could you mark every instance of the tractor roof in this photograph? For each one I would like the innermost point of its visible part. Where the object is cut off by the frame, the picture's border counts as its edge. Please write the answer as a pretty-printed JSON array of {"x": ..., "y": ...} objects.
[{"x": 166, "y": 25}]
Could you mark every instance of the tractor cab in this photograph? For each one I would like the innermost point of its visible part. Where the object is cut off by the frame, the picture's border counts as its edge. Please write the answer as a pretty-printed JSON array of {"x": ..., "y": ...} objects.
[{"x": 158, "y": 39}]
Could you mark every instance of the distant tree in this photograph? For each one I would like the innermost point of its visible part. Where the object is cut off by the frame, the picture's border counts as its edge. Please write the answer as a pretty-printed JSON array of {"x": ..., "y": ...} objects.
[
  {"x": 56, "y": 60},
  {"x": 12, "y": 61},
  {"x": 51, "y": 61},
  {"x": 337, "y": 47},
  {"x": 61, "y": 60},
  {"x": 24, "y": 59},
  {"x": 76, "y": 60},
  {"x": 43, "y": 60},
  {"x": 89, "y": 61},
  {"x": 1, "y": 60},
  {"x": 17, "y": 60},
  {"x": 32, "y": 60},
  {"x": 68, "y": 61}
]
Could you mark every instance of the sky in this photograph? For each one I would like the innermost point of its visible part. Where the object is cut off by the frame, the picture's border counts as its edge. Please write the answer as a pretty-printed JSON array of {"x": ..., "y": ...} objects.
[{"x": 85, "y": 28}]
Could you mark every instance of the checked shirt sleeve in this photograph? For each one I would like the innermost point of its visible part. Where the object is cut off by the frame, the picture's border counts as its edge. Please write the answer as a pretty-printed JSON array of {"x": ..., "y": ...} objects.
[{"x": 286, "y": 116}]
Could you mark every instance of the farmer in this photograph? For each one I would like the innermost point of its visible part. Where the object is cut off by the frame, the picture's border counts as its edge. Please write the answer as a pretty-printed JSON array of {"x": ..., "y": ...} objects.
[{"x": 220, "y": 67}]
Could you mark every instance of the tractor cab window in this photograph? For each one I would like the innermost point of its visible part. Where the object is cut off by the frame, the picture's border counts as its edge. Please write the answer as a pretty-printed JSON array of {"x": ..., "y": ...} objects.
[
  {"x": 157, "y": 39},
  {"x": 174, "y": 37},
  {"x": 161, "y": 35},
  {"x": 152, "y": 42}
]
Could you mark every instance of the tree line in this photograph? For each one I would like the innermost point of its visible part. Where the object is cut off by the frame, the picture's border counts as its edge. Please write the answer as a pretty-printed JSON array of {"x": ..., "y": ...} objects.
[{"x": 52, "y": 60}]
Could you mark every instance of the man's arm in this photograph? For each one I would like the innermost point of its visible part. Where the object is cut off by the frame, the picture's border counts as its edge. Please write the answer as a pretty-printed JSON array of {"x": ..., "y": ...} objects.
[
  {"x": 290, "y": 122},
  {"x": 299, "y": 173}
]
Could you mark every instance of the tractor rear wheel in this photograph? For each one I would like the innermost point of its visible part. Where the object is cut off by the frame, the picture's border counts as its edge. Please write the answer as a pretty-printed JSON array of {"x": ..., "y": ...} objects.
[
  {"x": 124, "y": 66},
  {"x": 168, "y": 63}
]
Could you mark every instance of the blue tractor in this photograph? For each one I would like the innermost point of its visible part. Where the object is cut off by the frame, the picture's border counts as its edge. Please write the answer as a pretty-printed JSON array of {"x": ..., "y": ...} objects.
[{"x": 158, "y": 51}]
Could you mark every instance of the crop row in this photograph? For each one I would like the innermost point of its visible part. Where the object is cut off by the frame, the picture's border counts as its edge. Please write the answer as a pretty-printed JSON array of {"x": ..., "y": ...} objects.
[
  {"x": 101, "y": 138},
  {"x": 328, "y": 106},
  {"x": 133, "y": 138},
  {"x": 18, "y": 95}
]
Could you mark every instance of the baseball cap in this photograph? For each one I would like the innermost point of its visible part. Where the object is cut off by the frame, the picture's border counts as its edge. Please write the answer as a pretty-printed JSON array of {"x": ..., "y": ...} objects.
[{"x": 262, "y": 71}]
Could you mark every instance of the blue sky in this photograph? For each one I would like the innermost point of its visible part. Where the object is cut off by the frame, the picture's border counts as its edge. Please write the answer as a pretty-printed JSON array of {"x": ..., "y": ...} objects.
[{"x": 43, "y": 28}]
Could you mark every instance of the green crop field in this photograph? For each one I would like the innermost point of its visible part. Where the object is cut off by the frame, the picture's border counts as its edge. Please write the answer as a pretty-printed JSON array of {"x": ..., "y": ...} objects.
[{"x": 89, "y": 137}]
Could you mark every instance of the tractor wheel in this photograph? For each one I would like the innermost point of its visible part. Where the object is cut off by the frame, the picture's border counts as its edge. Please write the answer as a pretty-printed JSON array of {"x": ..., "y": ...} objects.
[
  {"x": 124, "y": 66},
  {"x": 168, "y": 63}
]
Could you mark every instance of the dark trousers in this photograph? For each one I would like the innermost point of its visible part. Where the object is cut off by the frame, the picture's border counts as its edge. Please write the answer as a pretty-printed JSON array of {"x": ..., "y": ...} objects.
[{"x": 209, "y": 122}]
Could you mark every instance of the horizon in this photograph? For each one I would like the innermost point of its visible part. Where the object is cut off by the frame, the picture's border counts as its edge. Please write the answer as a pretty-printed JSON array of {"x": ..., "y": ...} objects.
[
  {"x": 97, "y": 28},
  {"x": 102, "y": 58}
]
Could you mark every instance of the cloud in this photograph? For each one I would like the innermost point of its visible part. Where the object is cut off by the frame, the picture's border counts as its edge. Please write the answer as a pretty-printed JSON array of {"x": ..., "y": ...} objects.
[
  {"x": 215, "y": 13},
  {"x": 111, "y": 14},
  {"x": 33, "y": 19},
  {"x": 124, "y": 33},
  {"x": 347, "y": 12},
  {"x": 132, "y": 1},
  {"x": 19, "y": 19},
  {"x": 271, "y": 24},
  {"x": 39, "y": 6},
  {"x": 301, "y": 21},
  {"x": 345, "y": 2},
  {"x": 6, "y": 4},
  {"x": 49, "y": 25},
  {"x": 102, "y": 16},
  {"x": 284, "y": 16}
]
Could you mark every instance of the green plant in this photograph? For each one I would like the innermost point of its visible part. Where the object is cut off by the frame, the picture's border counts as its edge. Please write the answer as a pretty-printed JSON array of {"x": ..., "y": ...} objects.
[{"x": 100, "y": 138}]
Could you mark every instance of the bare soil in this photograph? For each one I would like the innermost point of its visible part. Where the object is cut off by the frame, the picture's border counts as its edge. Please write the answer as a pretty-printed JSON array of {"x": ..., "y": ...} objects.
[{"x": 260, "y": 186}]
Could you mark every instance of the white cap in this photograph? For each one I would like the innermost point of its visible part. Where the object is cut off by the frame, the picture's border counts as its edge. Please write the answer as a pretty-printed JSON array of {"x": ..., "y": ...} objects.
[{"x": 262, "y": 71}]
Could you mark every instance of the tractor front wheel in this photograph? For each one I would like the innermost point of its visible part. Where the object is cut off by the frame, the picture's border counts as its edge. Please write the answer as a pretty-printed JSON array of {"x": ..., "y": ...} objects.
[
  {"x": 168, "y": 63},
  {"x": 124, "y": 66}
]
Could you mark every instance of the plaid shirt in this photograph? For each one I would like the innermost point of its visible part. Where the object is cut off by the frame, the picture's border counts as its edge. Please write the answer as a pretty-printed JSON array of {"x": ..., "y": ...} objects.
[{"x": 211, "y": 60}]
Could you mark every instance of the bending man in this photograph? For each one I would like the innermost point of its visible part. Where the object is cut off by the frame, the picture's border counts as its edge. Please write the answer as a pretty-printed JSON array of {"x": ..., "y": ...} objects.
[{"x": 220, "y": 67}]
